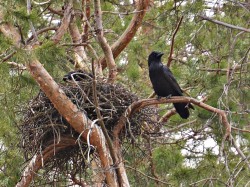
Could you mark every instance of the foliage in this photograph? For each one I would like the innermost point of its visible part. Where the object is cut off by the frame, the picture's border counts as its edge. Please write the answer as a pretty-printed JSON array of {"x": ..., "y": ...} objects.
[{"x": 209, "y": 60}]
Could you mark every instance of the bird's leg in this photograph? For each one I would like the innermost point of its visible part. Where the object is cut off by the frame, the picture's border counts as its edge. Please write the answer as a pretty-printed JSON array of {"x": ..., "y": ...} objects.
[
  {"x": 169, "y": 96},
  {"x": 158, "y": 97}
]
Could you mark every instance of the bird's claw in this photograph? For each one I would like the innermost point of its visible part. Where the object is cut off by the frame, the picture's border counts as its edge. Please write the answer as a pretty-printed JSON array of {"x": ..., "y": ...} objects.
[
  {"x": 169, "y": 96},
  {"x": 158, "y": 97}
]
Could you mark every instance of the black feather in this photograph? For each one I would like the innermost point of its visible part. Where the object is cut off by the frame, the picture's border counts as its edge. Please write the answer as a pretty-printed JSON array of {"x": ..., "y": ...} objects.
[{"x": 164, "y": 83}]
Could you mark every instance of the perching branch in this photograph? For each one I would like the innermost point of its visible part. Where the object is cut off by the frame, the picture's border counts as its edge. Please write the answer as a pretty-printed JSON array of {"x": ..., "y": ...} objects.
[
  {"x": 136, "y": 106},
  {"x": 172, "y": 112}
]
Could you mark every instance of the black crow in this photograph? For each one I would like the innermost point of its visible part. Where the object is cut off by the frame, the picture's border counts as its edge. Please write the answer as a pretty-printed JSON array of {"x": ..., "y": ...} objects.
[{"x": 164, "y": 83}]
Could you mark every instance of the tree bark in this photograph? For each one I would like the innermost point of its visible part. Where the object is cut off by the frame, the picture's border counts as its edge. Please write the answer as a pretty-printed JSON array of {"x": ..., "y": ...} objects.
[
  {"x": 66, "y": 108},
  {"x": 37, "y": 161},
  {"x": 74, "y": 116},
  {"x": 136, "y": 106},
  {"x": 64, "y": 24},
  {"x": 9, "y": 31},
  {"x": 79, "y": 51},
  {"x": 103, "y": 42},
  {"x": 130, "y": 32}
]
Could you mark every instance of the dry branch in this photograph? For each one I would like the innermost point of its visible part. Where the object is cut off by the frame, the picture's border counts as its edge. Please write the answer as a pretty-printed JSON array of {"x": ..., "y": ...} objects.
[
  {"x": 65, "y": 23},
  {"x": 79, "y": 51},
  {"x": 224, "y": 24},
  {"x": 9, "y": 31},
  {"x": 129, "y": 33},
  {"x": 103, "y": 42},
  {"x": 42, "y": 31},
  {"x": 136, "y": 106},
  {"x": 39, "y": 159},
  {"x": 86, "y": 4},
  {"x": 73, "y": 115},
  {"x": 170, "y": 57}
]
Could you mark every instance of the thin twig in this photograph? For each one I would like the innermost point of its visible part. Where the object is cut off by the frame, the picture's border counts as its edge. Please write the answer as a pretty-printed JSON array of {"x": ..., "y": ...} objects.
[
  {"x": 18, "y": 66},
  {"x": 208, "y": 179},
  {"x": 241, "y": 130},
  {"x": 30, "y": 22},
  {"x": 224, "y": 24},
  {"x": 8, "y": 56},
  {"x": 41, "y": 31},
  {"x": 172, "y": 42},
  {"x": 244, "y": 158},
  {"x": 123, "y": 13},
  {"x": 152, "y": 178}
]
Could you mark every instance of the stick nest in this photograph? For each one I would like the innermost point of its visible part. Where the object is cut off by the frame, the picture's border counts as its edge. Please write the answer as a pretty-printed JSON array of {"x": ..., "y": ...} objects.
[{"x": 43, "y": 125}]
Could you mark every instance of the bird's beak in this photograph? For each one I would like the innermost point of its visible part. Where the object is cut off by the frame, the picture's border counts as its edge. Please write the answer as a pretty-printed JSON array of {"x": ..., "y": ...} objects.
[{"x": 160, "y": 54}]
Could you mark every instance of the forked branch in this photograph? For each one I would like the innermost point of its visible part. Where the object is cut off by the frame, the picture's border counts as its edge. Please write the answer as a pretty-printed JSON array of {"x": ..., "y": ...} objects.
[
  {"x": 136, "y": 106},
  {"x": 170, "y": 57},
  {"x": 103, "y": 42},
  {"x": 37, "y": 161},
  {"x": 65, "y": 23},
  {"x": 129, "y": 33}
]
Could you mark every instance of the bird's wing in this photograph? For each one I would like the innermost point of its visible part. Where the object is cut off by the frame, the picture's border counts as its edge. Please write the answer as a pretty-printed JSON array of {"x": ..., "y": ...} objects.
[{"x": 170, "y": 78}]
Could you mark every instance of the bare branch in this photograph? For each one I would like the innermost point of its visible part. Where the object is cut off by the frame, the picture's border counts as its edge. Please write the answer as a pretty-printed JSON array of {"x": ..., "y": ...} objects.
[
  {"x": 172, "y": 112},
  {"x": 206, "y": 180},
  {"x": 58, "y": 12},
  {"x": 241, "y": 130},
  {"x": 224, "y": 24},
  {"x": 87, "y": 16},
  {"x": 152, "y": 178},
  {"x": 30, "y": 22},
  {"x": 37, "y": 161},
  {"x": 42, "y": 3},
  {"x": 121, "y": 13},
  {"x": 7, "y": 57},
  {"x": 103, "y": 42},
  {"x": 104, "y": 130},
  {"x": 73, "y": 115},
  {"x": 64, "y": 24},
  {"x": 151, "y": 160},
  {"x": 244, "y": 158},
  {"x": 79, "y": 51},
  {"x": 17, "y": 66},
  {"x": 136, "y": 106},
  {"x": 130, "y": 32},
  {"x": 172, "y": 42},
  {"x": 41, "y": 31}
]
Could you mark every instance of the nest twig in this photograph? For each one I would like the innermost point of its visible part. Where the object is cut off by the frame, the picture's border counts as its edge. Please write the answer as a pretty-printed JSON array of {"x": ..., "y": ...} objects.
[{"x": 43, "y": 125}]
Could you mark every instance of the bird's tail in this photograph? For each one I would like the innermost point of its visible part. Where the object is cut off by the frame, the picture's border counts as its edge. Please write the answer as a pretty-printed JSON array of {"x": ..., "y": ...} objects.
[{"x": 182, "y": 109}]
